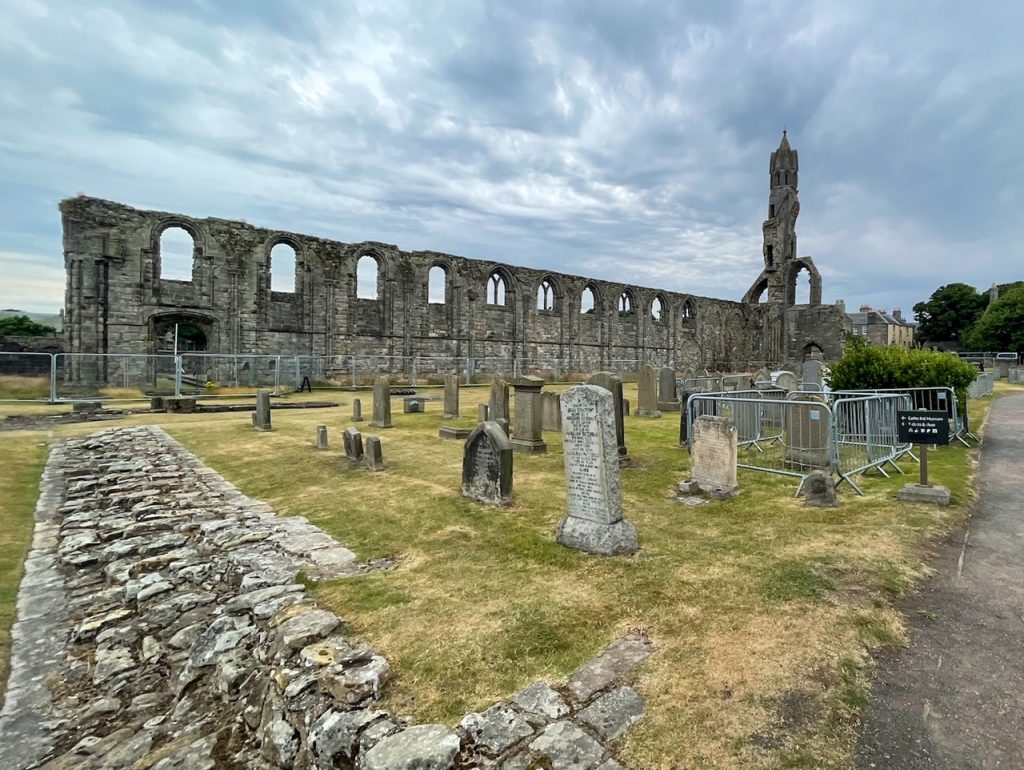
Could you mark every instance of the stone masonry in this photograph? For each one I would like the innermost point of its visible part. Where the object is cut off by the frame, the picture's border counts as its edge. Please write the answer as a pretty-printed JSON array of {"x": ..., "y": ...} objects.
[{"x": 117, "y": 300}]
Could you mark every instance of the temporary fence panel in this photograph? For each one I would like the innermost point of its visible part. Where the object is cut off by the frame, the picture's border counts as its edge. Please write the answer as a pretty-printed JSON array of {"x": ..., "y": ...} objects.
[
  {"x": 865, "y": 434},
  {"x": 27, "y": 376},
  {"x": 120, "y": 376},
  {"x": 935, "y": 399}
]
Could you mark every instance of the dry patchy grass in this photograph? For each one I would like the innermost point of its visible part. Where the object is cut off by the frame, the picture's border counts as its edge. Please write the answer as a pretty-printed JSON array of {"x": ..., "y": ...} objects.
[{"x": 762, "y": 611}]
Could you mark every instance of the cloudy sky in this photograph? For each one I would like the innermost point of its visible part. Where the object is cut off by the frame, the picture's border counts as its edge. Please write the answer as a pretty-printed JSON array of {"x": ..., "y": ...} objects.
[{"x": 619, "y": 139}]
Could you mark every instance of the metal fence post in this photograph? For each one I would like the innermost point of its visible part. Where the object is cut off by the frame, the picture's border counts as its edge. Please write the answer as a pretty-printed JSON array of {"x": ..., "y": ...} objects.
[
  {"x": 177, "y": 376},
  {"x": 53, "y": 378}
]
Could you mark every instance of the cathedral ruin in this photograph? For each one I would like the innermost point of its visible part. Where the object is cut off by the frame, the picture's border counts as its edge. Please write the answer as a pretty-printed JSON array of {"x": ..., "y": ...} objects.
[{"x": 420, "y": 303}]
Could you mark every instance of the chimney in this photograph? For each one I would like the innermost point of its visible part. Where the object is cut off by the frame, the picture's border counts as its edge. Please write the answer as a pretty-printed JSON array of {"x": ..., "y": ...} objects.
[
  {"x": 841, "y": 304},
  {"x": 865, "y": 308},
  {"x": 897, "y": 314}
]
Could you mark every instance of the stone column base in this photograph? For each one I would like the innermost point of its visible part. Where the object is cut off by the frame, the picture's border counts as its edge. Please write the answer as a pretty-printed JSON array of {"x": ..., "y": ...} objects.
[
  {"x": 915, "y": 493},
  {"x": 595, "y": 537}
]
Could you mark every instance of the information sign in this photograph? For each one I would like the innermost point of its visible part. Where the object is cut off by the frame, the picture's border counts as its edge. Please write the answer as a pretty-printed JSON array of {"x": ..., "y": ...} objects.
[{"x": 923, "y": 427}]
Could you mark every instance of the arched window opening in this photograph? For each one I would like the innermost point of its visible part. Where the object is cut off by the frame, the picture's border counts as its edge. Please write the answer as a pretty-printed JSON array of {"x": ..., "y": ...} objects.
[
  {"x": 366, "y": 277},
  {"x": 787, "y": 177},
  {"x": 437, "y": 285},
  {"x": 496, "y": 289},
  {"x": 802, "y": 287},
  {"x": 777, "y": 178},
  {"x": 545, "y": 296},
  {"x": 657, "y": 308},
  {"x": 177, "y": 251},
  {"x": 688, "y": 311},
  {"x": 625, "y": 304},
  {"x": 282, "y": 268},
  {"x": 588, "y": 301}
]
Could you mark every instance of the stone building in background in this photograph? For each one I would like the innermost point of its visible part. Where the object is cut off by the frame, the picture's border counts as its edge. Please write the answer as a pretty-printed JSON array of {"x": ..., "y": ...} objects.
[
  {"x": 372, "y": 298},
  {"x": 879, "y": 327}
]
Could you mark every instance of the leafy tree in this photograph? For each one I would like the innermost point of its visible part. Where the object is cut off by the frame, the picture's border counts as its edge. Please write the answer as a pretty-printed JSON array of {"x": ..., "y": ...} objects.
[
  {"x": 950, "y": 313},
  {"x": 23, "y": 326},
  {"x": 1002, "y": 325}
]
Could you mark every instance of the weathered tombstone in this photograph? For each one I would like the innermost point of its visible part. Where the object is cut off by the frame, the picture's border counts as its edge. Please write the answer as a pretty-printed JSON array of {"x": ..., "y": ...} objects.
[
  {"x": 743, "y": 383},
  {"x": 812, "y": 374},
  {"x": 413, "y": 405},
  {"x": 381, "y": 403},
  {"x": 625, "y": 407},
  {"x": 451, "y": 397},
  {"x": 497, "y": 407},
  {"x": 372, "y": 454},
  {"x": 503, "y": 424},
  {"x": 321, "y": 437},
  {"x": 487, "y": 465},
  {"x": 357, "y": 410},
  {"x": 819, "y": 490},
  {"x": 787, "y": 381},
  {"x": 262, "y": 422},
  {"x": 613, "y": 385},
  {"x": 647, "y": 393},
  {"x": 156, "y": 403},
  {"x": 713, "y": 460},
  {"x": 353, "y": 441},
  {"x": 481, "y": 413},
  {"x": 762, "y": 376},
  {"x": 527, "y": 433},
  {"x": 593, "y": 520},
  {"x": 551, "y": 411},
  {"x": 807, "y": 432},
  {"x": 668, "y": 400}
]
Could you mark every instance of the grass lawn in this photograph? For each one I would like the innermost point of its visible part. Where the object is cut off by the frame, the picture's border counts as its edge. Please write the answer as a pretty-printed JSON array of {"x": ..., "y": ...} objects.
[{"x": 762, "y": 611}]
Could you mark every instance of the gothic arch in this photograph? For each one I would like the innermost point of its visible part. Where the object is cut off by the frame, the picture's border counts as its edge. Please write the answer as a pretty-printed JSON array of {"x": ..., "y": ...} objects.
[
  {"x": 509, "y": 287},
  {"x": 182, "y": 223},
  {"x": 596, "y": 294},
  {"x": 757, "y": 290},
  {"x": 658, "y": 309},
  {"x": 549, "y": 295},
  {"x": 798, "y": 265}
]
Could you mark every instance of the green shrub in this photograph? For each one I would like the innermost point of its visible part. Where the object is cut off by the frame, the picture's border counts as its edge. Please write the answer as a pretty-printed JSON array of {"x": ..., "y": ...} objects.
[{"x": 863, "y": 366}]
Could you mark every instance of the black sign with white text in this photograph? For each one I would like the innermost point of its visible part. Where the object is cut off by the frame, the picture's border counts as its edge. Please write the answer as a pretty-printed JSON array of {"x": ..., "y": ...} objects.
[{"x": 923, "y": 427}]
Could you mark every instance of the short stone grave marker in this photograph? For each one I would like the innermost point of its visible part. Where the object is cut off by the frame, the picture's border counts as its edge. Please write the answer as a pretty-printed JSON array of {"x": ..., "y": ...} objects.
[
  {"x": 527, "y": 433},
  {"x": 487, "y": 465},
  {"x": 372, "y": 453},
  {"x": 451, "y": 397},
  {"x": 713, "y": 460},
  {"x": 262, "y": 415},
  {"x": 357, "y": 410},
  {"x": 353, "y": 441},
  {"x": 321, "y": 437},
  {"x": 551, "y": 411},
  {"x": 381, "y": 403},
  {"x": 647, "y": 393},
  {"x": 668, "y": 399}
]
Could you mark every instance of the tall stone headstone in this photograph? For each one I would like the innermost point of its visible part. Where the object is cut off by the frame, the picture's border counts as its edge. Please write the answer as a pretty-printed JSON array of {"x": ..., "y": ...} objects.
[
  {"x": 551, "y": 411},
  {"x": 812, "y": 374},
  {"x": 353, "y": 442},
  {"x": 487, "y": 465},
  {"x": 807, "y": 432},
  {"x": 451, "y": 397},
  {"x": 527, "y": 430},
  {"x": 593, "y": 520},
  {"x": 381, "y": 403},
  {"x": 372, "y": 454},
  {"x": 497, "y": 406},
  {"x": 357, "y": 410},
  {"x": 713, "y": 459},
  {"x": 647, "y": 393},
  {"x": 787, "y": 381},
  {"x": 613, "y": 385},
  {"x": 262, "y": 416},
  {"x": 321, "y": 437},
  {"x": 668, "y": 399}
]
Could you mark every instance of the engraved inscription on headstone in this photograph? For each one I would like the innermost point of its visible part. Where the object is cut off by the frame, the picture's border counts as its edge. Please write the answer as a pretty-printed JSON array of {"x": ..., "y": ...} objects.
[
  {"x": 593, "y": 521},
  {"x": 487, "y": 465}
]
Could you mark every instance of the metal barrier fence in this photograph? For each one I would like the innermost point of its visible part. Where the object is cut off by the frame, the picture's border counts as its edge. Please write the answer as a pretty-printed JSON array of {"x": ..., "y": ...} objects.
[
  {"x": 982, "y": 385},
  {"x": 796, "y": 433},
  {"x": 933, "y": 399}
]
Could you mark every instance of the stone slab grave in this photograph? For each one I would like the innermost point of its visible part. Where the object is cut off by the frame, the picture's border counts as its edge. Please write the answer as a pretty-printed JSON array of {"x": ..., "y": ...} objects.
[
  {"x": 713, "y": 460},
  {"x": 668, "y": 398},
  {"x": 451, "y": 397},
  {"x": 160, "y": 625},
  {"x": 353, "y": 442},
  {"x": 593, "y": 520},
  {"x": 487, "y": 465},
  {"x": 613, "y": 384},
  {"x": 819, "y": 490},
  {"x": 381, "y": 403},
  {"x": 527, "y": 430},
  {"x": 551, "y": 411},
  {"x": 647, "y": 392},
  {"x": 261, "y": 417},
  {"x": 451, "y": 432}
]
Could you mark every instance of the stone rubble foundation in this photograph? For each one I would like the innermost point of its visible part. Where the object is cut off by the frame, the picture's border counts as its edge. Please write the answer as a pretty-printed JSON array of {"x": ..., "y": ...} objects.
[{"x": 161, "y": 626}]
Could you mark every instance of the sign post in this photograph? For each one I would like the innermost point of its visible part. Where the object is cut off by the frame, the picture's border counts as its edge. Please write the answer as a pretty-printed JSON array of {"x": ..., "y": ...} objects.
[{"x": 923, "y": 428}]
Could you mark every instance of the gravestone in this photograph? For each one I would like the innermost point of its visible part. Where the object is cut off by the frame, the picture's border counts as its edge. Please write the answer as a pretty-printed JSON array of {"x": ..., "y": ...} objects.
[
  {"x": 481, "y": 413},
  {"x": 647, "y": 393},
  {"x": 262, "y": 421},
  {"x": 487, "y": 465},
  {"x": 668, "y": 399},
  {"x": 527, "y": 432},
  {"x": 787, "y": 381},
  {"x": 812, "y": 374},
  {"x": 413, "y": 405},
  {"x": 807, "y": 433},
  {"x": 819, "y": 490},
  {"x": 451, "y": 397},
  {"x": 593, "y": 520},
  {"x": 353, "y": 441},
  {"x": 713, "y": 460},
  {"x": 743, "y": 383},
  {"x": 613, "y": 385},
  {"x": 503, "y": 424},
  {"x": 497, "y": 407},
  {"x": 625, "y": 407},
  {"x": 321, "y": 437},
  {"x": 762, "y": 376},
  {"x": 551, "y": 411},
  {"x": 381, "y": 403},
  {"x": 372, "y": 454},
  {"x": 357, "y": 410}
]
